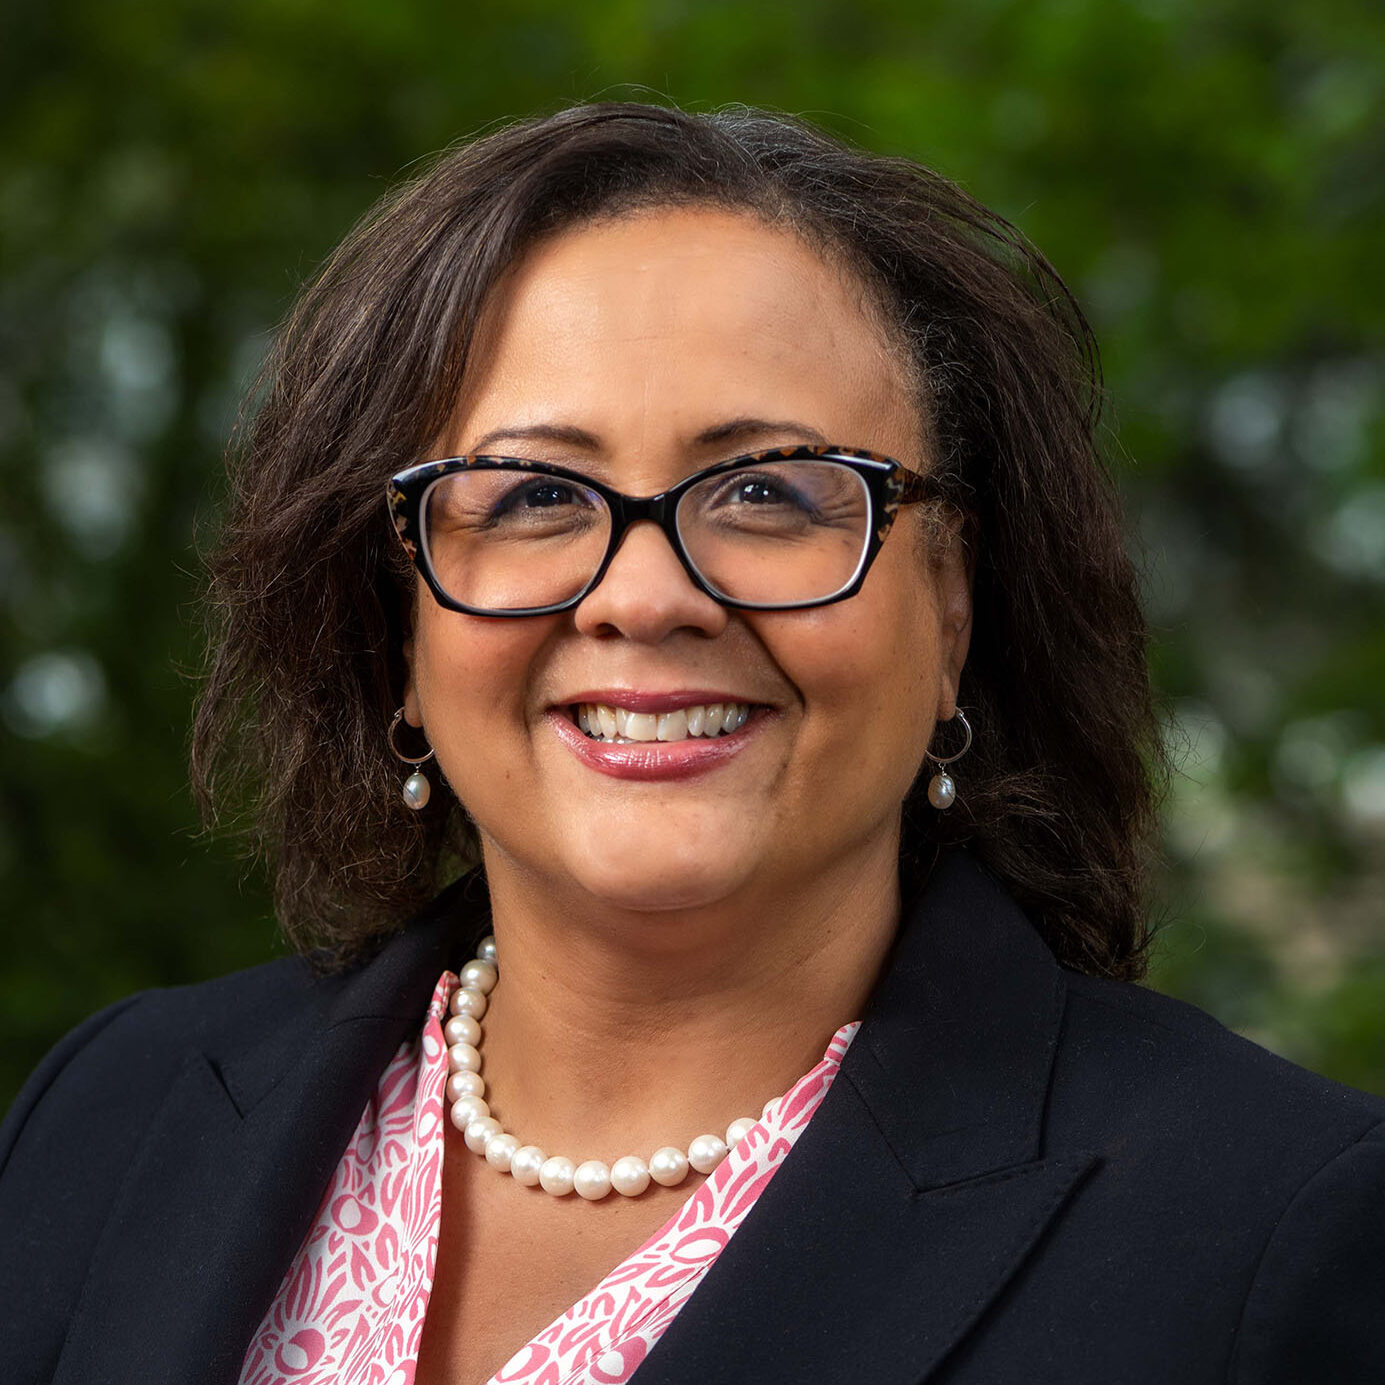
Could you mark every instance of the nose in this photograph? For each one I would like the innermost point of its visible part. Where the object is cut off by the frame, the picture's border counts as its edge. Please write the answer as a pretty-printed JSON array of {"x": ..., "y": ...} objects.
[{"x": 646, "y": 593}]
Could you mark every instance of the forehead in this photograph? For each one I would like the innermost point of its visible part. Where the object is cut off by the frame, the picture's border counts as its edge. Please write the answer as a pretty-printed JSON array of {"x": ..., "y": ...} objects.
[{"x": 661, "y": 322}]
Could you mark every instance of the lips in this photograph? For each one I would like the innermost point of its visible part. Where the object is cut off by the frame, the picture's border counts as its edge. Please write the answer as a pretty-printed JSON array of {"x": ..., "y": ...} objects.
[{"x": 582, "y": 720}]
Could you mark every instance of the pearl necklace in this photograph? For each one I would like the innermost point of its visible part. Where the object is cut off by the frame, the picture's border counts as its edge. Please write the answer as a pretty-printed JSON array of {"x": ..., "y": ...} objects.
[{"x": 528, "y": 1164}]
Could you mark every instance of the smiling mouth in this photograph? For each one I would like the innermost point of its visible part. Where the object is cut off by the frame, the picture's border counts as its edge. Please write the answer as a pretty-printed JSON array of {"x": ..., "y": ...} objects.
[{"x": 618, "y": 726}]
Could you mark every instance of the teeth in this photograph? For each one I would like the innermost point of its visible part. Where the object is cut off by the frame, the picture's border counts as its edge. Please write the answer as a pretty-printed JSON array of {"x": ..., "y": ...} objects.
[
  {"x": 673, "y": 726},
  {"x": 640, "y": 726},
  {"x": 601, "y": 722}
]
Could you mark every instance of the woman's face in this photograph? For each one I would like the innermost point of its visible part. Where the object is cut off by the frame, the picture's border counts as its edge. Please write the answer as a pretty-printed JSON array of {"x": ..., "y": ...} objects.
[{"x": 637, "y": 351}]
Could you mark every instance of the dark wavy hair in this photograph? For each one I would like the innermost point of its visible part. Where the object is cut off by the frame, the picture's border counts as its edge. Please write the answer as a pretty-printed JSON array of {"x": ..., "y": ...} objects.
[{"x": 309, "y": 593}]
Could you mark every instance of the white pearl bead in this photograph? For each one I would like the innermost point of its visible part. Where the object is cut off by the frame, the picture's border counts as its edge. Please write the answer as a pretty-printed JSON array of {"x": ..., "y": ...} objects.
[
  {"x": 706, "y": 1152},
  {"x": 526, "y": 1163},
  {"x": 478, "y": 1132},
  {"x": 467, "y": 1109},
  {"x": 479, "y": 975},
  {"x": 668, "y": 1166},
  {"x": 500, "y": 1150},
  {"x": 462, "y": 1029},
  {"x": 465, "y": 1083},
  {"x": 416, "y": 791},
  {"x": 738, "y": 1130},
  {"x": 592, "y": 1180},
  {"x": 941, "y": 791},
  {"x": 466, "y": 1001},
  {"x": 556, "y": 1175},
  {"x": 463, "y": 1057},
  {"x": 630, "y": 1176}
]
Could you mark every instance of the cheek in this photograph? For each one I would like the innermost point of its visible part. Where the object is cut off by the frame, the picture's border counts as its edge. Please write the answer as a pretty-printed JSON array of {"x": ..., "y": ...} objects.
[
  {"x": 864, "y": 669},
  {"x": 472, "y": 679}
]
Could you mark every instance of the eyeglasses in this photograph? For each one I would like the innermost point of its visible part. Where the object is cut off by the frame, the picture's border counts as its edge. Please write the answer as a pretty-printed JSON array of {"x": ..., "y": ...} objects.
[{"x": 773, "y": 531}]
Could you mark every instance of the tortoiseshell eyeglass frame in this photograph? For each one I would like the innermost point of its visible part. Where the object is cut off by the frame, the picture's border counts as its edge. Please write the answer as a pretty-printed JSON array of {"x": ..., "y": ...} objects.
[{"x": 888, "y": 485}]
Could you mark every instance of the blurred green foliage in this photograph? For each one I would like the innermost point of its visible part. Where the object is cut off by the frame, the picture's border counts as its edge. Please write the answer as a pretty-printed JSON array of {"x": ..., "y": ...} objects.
[{"x": 1209, "y": 175}]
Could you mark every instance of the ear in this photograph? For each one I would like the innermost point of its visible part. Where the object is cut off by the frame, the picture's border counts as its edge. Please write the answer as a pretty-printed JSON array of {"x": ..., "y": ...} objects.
[
  {"x": 954, "y": 571},
  {"x": 413, "y": 711}
]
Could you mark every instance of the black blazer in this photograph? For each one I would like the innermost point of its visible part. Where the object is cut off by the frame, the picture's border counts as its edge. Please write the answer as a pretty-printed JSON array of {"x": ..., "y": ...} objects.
[{"x": 1021, "y": 1175}]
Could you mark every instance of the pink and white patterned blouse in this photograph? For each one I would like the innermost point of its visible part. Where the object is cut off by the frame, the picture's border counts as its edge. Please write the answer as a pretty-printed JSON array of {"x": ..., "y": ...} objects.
[{"x": 350, "y": 1309}]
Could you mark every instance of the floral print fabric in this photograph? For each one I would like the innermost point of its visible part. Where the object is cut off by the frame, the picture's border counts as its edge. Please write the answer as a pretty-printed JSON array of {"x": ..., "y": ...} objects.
[{"x": 350, "y": 1309}]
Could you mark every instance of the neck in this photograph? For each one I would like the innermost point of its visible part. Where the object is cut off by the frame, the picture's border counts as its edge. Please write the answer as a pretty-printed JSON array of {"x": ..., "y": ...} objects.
[{"x": 614, "y": 1031}]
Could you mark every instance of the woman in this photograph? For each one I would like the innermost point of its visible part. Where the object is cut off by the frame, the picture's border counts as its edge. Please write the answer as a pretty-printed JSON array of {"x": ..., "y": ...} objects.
[{"x": 804, "y": 1056}]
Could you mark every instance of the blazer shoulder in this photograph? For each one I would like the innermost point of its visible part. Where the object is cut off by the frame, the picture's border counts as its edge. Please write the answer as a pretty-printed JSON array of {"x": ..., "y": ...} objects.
[
  {"x": 239, "y": 1006},
  {"x": 122, "y": 1059},
  {"x": 247, "y": 1025},
  {"x": 1186, "y": 1068},
  {"x": 1313, "y": 1310}
]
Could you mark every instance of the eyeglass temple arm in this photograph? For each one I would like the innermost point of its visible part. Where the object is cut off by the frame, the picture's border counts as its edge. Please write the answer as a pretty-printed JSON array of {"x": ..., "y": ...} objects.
[{"x": 916, "y": 487}]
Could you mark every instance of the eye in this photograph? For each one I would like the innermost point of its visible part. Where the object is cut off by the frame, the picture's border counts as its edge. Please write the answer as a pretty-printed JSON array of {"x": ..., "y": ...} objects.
[
  {"x": 492, "y": 500},
  {"x": 760, "y": 489},
  {"x": 781, "y": 499},
  {"x": 757, "y": 491},
  {"x": 542, "y": 493}
]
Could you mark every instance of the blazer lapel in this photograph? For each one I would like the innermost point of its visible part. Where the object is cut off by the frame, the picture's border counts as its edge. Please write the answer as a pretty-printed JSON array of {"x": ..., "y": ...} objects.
[
  {"x": 228, "y": 1179},
  {"x": 917, "y": 1189},
  {"x": 913, "y": 1196}
]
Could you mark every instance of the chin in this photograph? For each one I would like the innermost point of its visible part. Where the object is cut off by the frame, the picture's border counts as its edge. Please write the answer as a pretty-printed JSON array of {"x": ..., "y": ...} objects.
[
  {"x": 650, "y": 889},
  {"x": 646, "y": 879}
]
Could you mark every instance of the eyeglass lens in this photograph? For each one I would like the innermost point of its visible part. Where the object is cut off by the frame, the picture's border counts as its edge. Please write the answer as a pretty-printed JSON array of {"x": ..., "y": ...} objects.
[{"x": 778, "y": 533}]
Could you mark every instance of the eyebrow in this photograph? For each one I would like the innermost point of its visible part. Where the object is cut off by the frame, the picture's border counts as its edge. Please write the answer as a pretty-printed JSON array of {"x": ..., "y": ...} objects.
[{"x": 735, "y": 431}]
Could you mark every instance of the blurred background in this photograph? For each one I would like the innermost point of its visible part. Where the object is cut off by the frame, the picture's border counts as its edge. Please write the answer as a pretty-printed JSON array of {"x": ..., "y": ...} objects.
[{"x": 1208, "y": 175}]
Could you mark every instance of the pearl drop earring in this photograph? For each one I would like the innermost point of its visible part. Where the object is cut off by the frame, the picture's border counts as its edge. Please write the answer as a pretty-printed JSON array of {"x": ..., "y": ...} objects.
[
  {"x": 942, "y": 789},
  {"x": 417, "y": 789}
]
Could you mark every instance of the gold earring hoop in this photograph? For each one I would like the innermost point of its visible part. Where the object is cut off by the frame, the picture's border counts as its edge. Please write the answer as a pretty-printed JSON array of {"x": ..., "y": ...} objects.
[
  {"x": 942, "y": 788},
  {"x": 416, "y": 789}
]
